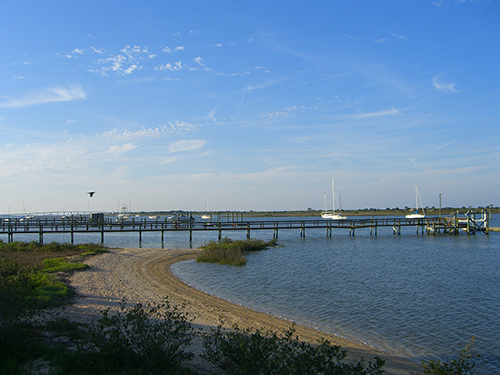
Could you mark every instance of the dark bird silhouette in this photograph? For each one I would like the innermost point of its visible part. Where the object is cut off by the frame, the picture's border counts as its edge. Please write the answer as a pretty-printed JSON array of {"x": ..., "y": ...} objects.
[{"x": 91, "y": 193}]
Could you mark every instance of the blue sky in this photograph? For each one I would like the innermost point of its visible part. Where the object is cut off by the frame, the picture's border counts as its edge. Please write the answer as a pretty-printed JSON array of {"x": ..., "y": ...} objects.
[{"x": 256, "y": 104}]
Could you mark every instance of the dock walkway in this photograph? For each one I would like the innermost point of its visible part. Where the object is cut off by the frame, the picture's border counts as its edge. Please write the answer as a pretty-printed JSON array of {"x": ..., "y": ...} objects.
[{"x": 78, "y": 224}]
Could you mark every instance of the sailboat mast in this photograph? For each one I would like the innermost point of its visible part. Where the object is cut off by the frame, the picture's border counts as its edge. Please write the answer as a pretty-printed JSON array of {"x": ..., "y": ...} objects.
[
  {"x": 416, "y": 198},
  {"x": 333, "y": 196}
]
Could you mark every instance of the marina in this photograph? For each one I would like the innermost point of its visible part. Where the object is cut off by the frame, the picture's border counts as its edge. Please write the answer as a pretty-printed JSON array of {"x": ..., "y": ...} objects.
[{"x": 101, "y": 224}]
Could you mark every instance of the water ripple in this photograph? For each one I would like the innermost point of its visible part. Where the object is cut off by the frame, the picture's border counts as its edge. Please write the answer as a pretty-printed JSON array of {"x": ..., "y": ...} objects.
[{"x": 419, "y": 296}]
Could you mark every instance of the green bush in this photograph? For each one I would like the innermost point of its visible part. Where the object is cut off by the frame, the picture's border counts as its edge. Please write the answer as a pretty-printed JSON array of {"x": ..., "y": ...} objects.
[
  {"x": 243, "y": 352},
  {"x": 227, "y": 251},
  {"x": 139, "y": 340},
  {"x": 463, "y": 365}
]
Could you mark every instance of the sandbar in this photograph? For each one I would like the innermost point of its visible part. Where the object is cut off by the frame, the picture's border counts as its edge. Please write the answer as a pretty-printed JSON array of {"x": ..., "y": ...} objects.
[{"x": 144, "y": 276}]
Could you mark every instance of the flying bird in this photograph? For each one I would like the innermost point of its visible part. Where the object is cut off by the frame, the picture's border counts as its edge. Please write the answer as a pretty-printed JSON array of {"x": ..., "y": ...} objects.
[{"x": 91, "y": 193}]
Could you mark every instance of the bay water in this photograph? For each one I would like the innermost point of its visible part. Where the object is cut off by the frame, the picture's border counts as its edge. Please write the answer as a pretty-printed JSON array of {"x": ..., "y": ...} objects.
[{"x": 420, "y": 296}]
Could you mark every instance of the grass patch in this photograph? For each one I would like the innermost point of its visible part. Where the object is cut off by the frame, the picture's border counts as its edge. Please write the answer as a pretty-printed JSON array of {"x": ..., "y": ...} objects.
[
  {"x": 227, "y": 251},
  {"x": 61, "y": 265},
  {"x": 27, "y": 274}
]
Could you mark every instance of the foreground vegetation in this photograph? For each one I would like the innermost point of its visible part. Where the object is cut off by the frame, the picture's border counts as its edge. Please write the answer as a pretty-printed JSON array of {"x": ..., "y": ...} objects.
[
  {"x": 153, "y": 339},
  {"x": 227, "y": 251}
]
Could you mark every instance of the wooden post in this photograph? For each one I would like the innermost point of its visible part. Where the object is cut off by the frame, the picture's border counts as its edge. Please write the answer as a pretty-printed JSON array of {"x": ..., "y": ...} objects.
[
  {"x": 102, "y": 234},
  {"x": 72, "y": 232},
  {"x": 40, "y": 233},
  {"x": 10, "y": 233},
  {"x": 248, "y": 230}
]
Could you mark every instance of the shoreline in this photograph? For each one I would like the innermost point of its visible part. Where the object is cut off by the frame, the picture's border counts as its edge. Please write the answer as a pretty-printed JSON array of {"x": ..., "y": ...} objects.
[{"x": 144, "y": 276}]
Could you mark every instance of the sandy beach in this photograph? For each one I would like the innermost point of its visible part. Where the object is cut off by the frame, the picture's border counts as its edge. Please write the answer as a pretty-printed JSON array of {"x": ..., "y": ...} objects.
[{"x": 144, "y": 276}]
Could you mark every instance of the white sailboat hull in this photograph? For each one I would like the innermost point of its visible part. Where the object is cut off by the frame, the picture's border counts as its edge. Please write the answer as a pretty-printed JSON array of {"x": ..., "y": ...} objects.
[
  {"x": 415, "y": 216},
  {"x": 333, "y": 216}
]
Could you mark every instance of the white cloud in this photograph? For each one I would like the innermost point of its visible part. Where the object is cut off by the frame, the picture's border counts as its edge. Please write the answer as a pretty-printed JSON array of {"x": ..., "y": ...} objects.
[
  {"x": 51, "y": 95},
  {"x": 131, "y": 69},
  {"x": 199, "y": 61},
  {"x": 445, "y": 87},
  {"x": 122, "y": 64},
  {"x": 118, "y": 150},
  {"x": 169, "y": 50},
  {"x": 168, "y": 66},
  {"x": 185, "y": 145}
]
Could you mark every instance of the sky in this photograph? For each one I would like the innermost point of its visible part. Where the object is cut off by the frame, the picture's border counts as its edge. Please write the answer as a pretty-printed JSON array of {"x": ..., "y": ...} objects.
[{"x": 255, "y": 105}]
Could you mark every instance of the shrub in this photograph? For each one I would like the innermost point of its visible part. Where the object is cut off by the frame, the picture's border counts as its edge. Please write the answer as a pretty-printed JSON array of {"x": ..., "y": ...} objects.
[
  {"x": 243, "y": 352},
  {"x": 140, "y": 340},
  {"x": 463, "y": 365},
  {"x": 227, "y": 251}
]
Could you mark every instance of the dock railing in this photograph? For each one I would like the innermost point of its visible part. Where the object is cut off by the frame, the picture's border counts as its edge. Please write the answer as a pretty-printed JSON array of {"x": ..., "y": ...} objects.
[{"x": 98, "y": 223}]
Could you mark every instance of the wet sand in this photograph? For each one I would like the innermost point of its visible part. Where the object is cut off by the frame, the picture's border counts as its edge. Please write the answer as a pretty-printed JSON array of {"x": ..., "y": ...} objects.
[{"x": 144, "y": 276}]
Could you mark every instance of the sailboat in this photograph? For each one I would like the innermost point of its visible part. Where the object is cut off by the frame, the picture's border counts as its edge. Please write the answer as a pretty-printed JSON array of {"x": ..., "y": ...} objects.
[
  {"x": 332, "y": 215},
  {"x": 416, "y": 215},
  {"x": 207, "y": 215}
]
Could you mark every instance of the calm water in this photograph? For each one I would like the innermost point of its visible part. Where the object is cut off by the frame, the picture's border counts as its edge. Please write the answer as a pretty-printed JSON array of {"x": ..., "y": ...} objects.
[{"x": 417, "y": 295}]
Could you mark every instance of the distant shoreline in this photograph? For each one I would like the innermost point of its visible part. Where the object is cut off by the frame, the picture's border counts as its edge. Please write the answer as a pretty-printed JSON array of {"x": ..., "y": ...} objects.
[{"x": 308, "y": 213}]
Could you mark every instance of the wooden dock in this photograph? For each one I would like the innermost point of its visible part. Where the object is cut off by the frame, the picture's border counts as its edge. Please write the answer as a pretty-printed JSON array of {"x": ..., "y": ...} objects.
[{"x": 97, "y": 224}]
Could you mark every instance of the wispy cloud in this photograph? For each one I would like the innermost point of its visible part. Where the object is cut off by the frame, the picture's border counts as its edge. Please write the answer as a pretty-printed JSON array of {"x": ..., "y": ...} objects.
[
  {"x": 211, "y": 114},
  {"x": 443, "y": 145},
  {"x": 171, "y": 128},
  {"x": 281, "y": 114},
  {"x": 185, "y": 145},
  {"x": 445, "y": 87},
  {"x": 389, "y": 112},
  {"x": 50, "y": 95}
]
